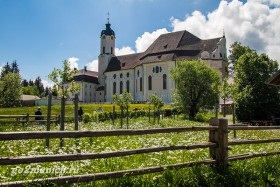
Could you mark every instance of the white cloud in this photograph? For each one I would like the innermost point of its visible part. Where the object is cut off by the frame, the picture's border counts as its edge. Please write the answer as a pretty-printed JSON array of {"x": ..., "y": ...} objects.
[
  {"x": 73, "y": 61},
  {"x": 124, "y": 51},
  {"x": 144, "y": 41},
  {"x": 93, "y": 65},
  {"x": 269, "y": 2},
  {"x": 252, "y": 23},
  {"x": 46, "y": 83}
]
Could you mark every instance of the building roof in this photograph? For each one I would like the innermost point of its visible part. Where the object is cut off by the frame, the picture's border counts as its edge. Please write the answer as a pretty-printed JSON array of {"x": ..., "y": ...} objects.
[
  {"x": 275, "y": 79},
  {"x": 108, "y": 31},
  {"x": 86, "y": 76},
  {"x": 181, "y": 45},
  {"x": 29, "y": 97}
]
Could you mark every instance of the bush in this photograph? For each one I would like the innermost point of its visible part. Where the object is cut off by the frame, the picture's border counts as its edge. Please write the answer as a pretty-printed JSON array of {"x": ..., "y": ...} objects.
[{"x": 86, "y": 117}]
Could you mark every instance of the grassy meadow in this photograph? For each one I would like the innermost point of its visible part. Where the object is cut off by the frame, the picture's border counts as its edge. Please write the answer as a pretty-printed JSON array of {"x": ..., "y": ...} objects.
[{"x": 263, "y": 171}]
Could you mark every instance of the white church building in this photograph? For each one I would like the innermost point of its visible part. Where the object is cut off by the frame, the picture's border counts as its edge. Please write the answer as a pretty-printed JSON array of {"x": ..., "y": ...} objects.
[{"x": 148, "y": 72}]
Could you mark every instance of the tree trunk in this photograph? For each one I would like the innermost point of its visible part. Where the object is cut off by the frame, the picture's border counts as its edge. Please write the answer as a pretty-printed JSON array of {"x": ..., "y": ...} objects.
[
  {"x": 224, "y": 112},
  {"x": 193, "y": 111}
]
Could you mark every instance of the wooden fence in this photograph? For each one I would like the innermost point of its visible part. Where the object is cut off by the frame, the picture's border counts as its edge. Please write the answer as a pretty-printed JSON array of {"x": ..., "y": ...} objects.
[
  {"x": 27, "y": 118},
  {"x": 218, "y": 147}
]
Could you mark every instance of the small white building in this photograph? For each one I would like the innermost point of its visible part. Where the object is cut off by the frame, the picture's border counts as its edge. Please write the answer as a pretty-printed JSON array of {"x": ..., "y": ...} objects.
[{"x": 147, "y": 73}]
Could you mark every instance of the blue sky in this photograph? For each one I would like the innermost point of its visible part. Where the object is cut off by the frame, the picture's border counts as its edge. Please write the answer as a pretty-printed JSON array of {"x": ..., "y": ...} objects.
[{"x": 40, "y": 34}]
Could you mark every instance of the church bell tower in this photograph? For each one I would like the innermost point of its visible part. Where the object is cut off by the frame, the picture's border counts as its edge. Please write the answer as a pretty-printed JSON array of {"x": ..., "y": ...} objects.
[{"x": 107, "y": 51}]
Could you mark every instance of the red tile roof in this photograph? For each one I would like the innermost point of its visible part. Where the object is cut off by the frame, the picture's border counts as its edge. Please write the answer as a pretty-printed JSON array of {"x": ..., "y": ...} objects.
[{"x": 167, "y": 47}]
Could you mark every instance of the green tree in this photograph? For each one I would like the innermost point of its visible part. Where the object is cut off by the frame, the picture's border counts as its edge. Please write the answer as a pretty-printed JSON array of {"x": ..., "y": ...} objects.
[
  {"x": 24, "y": 83},
  {"x": 236, "y": 51},
  {"x": 255, "y": 100},
  {"x": 225, "y": 92},
  {"x": 13, "y": 68},
  {"x": 196, "y": 86},
  {"x": 40, "y": 87},
  {"x": 123, "y": 101},
  {"x": 30, "y": 90},
  {"x": 10, "y": 90},
  {"x": 157, "y": 103},
  {"x": 63, "y": 79}
]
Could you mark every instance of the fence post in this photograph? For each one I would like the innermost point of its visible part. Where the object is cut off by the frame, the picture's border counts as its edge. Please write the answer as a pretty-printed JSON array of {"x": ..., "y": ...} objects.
[
  {"x": 223, "y": 142},
  {"x": 27, "y": 119},
  {"x": 113, "y": 115},
  {"x": 76, "y": 100},
  {"x": 127, "y": 116},
  {"x": 213, "y": 137},
  {"x": 49, "y": 117}
]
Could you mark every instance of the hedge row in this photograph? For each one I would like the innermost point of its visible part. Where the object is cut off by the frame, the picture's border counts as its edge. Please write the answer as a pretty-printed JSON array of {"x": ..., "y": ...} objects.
[{"x": 103, "y": 116}]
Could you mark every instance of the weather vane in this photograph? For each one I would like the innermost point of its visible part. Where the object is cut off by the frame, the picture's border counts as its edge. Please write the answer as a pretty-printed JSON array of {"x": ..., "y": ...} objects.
[{"x": 108, "y": 16}]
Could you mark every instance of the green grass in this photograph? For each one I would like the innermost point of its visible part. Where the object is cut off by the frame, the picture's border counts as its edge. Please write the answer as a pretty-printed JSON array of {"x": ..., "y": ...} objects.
[{"x": 252, "y": 172}]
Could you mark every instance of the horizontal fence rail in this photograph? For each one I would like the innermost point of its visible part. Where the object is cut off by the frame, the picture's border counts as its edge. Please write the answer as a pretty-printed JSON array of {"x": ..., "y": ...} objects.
[
  {"x": 84, "y": 156},
  {"x": 80, "y": 134}
]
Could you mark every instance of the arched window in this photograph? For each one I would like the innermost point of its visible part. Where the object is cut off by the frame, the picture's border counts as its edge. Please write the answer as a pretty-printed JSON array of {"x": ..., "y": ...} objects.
[
  {"x": 127, "y": 86},
  {"x": 121, "y": 87},
  {"x": 111, "y": 50},
  {"x": 140, "y": 84},
  {"x": 114, "y": 87},
  {"x": 103, "y": 50},
  {"x": 164, "y": 81},
  {"x": 150, "y": 82}
]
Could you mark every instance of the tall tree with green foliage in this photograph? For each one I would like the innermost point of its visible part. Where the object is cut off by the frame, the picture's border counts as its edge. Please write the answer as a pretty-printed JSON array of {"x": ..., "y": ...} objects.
[
  {"x": 10, "y": 90},
  {"x": 225, "y": 92},
  {"x": 255, "y": 100},
  {"x": 61, "y": 77},
  {"x": 13, "y": 68},
  {"x": 123, "y": 101},
  {"x": 236, "y": 51},
  {"x": 40, "y": 87},
  {"x": 196, "y": 87},
  {"x": 157, "y": 102}
]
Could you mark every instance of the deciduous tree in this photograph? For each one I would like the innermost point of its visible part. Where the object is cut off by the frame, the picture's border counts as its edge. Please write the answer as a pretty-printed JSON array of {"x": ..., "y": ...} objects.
[
  {"x": 255, "y": 100},
  {"x": 61, "y": 77},
  {"x": 196, "y": 86},
  {"x": 10, "y": 90}
]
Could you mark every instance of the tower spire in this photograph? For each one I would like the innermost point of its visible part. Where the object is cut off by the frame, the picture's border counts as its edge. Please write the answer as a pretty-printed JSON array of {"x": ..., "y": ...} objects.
[{"x": 108, "y": 18}]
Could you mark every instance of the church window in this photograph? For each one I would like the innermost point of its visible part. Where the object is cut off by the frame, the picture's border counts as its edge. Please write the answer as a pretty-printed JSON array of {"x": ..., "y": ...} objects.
[
  {"x": 103, "y": 50},
  {"x": 164, "y": 81},
  {"x": 157, "y": 69},
  {"x": 140, "y": 84},
  {"x": 112, "y": 37},
  {"x": 214, "y": 56},
  {"x": 150, "y": 82},
  {"x": 100, "y": 93},
  {"x": 138, "y": 73},
  {"x": 123, "y": 64},
  {"x": 121, "y": 75},
  {"x": 127, "y": 86},
  {"x": 127, "y": 75},
  {"x": 104, "y": 37},
  {"x": 111, "y": 50},
  {"x": 221, "y": 55},
  {"x": 121, "y": 87},
  {"x": 114, "y": 76},
  {"x": 114, "y": 88}
]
